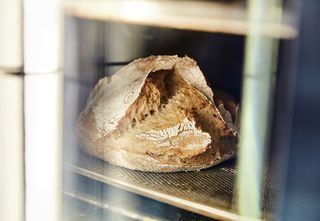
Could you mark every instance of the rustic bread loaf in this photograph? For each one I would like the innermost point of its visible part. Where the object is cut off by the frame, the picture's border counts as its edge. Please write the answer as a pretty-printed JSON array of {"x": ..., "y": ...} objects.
[{"x": 158, "y": 114}]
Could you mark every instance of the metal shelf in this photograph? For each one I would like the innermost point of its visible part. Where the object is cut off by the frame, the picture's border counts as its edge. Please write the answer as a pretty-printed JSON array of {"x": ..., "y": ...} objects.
[
  {"x": 208, "y": 16},
  {"x": 208, "y": 192},
  {"x": 111, "y": 203}
]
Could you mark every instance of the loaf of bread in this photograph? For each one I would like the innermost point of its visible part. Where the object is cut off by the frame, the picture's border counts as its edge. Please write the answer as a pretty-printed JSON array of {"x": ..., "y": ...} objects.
[{"x": 158, "y": 114}]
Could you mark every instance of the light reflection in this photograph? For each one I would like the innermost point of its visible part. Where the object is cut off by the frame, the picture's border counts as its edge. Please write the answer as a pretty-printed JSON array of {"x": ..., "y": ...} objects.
[
  {"x": 43, "y": 115},
  {"x": 138, "y": 9},
  {"x": 42, "y": 36},
  {"x": 260, "y": 64}
]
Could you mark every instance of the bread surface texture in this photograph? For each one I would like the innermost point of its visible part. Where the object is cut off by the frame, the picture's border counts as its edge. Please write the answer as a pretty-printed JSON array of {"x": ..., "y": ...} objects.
[{"x": 158, "y": 114}]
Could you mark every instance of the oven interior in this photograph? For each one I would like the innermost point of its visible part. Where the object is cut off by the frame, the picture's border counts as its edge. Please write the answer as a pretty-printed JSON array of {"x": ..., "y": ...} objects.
[{"x": 95, "y": 49}]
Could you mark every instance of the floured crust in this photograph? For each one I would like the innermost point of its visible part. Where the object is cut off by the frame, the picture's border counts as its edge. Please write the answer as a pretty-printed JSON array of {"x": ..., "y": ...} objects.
[
  {"x": 113, "y": 95},
  {"x": 139, "y": 120}
]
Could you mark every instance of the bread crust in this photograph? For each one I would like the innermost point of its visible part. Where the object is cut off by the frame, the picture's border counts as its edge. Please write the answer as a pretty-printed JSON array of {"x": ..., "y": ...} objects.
[
  {"x": 142, "y": 163},
  {"x": 104, "y": 127}
]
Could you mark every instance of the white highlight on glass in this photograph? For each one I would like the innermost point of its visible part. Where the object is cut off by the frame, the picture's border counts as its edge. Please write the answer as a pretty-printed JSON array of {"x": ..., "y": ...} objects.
[
  {"x": 136, "y": 9},
  {"x": 43, "y": 136},
  {"x": 42, "y": 36}
]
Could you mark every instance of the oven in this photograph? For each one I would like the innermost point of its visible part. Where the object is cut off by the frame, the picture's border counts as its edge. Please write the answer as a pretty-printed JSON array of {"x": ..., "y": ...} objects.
[{"x": 262, "y": 53}]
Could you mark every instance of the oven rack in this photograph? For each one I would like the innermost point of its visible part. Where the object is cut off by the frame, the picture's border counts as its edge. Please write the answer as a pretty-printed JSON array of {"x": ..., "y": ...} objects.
[{"x": 209, "y": 192}]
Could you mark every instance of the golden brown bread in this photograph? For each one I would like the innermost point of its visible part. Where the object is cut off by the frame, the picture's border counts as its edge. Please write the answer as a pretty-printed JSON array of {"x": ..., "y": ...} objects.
[{"x": 157, "y": 114}]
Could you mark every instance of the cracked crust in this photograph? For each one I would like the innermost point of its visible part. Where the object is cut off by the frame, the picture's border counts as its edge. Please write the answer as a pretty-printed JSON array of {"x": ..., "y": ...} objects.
[{"x": 157, "y": 114}]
